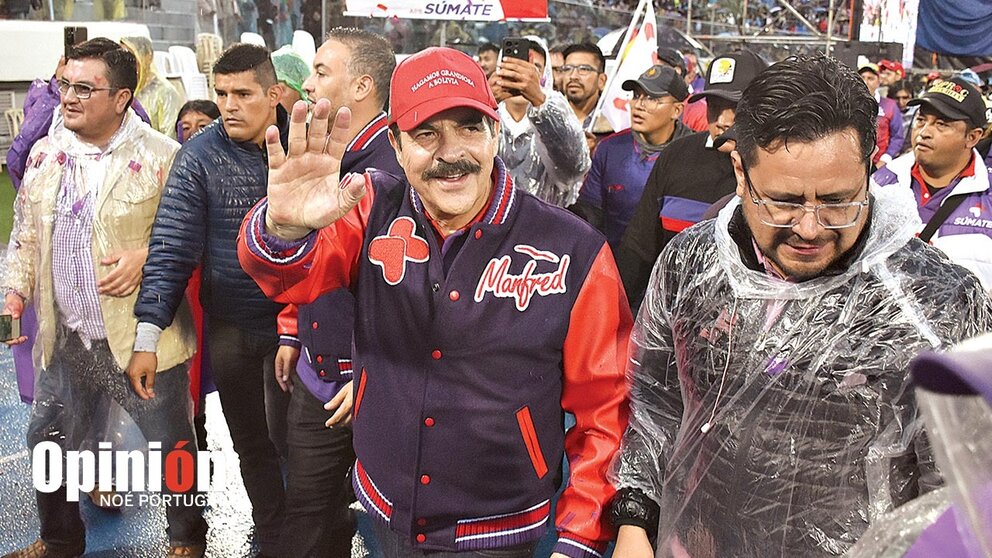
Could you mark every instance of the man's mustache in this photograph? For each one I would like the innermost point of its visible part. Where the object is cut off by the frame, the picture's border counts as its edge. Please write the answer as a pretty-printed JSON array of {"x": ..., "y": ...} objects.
[{"x": 444, "y": 169}]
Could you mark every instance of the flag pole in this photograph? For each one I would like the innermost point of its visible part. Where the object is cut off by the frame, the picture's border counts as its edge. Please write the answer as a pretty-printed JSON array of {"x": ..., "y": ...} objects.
[{"x": 639, "y": 14}]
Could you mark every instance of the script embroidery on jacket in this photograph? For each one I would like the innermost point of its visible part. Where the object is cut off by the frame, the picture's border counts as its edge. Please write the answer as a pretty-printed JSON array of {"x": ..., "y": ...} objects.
[{"x": 497, "y": 279}]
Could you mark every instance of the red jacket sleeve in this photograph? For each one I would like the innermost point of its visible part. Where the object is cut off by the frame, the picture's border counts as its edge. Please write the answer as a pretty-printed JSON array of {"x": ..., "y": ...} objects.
[
  {"x": 298, "y": 272},
  {"x": 596, "y": 392},
  {"x": 287, "y": 327}
]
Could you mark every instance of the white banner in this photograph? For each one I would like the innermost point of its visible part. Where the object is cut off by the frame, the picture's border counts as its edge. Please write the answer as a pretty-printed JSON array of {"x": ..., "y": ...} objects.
[
  {"x": 461, "y": 10},
  {"x": 635, "y": 57},
  {"x": 891, "y": 21}
]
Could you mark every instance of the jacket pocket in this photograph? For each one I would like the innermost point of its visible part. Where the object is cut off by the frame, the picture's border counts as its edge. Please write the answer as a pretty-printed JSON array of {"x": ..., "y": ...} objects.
[
  {"x": 138, "y": 189},
  {"x": 132, "y": 208},
  {"x": 359, "y": 394},
  {"x": 529, "y": 434}
]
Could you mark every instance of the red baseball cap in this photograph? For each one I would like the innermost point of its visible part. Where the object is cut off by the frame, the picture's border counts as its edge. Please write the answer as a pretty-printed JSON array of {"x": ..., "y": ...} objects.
[
  {"x": 434, "y": 80},
  {"x": 892, "y": 66}
]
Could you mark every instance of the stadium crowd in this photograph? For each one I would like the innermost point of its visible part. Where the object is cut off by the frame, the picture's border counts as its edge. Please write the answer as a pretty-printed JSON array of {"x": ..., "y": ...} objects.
[{"x": 430, "y": 286}]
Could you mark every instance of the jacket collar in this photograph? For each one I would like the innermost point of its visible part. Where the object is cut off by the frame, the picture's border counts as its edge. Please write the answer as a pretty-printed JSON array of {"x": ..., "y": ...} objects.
[
  {"x": 646, "y": 151},
  {"x": 977, "y": 182},
  {"x": 368, "y": 134},
  {"x": 501, "y": 202}
]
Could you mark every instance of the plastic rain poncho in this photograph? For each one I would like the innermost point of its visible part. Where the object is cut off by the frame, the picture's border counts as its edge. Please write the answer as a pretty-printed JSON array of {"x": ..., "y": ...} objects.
[
  {"x": 771, "y": 418},
  {"x": 82, "y": 395},
  {"x": 959, "y": 522},
  {"x": 161, "y": 100},
  {"x": 546, "y": 151},
  {"x": 291, "y": 69}
]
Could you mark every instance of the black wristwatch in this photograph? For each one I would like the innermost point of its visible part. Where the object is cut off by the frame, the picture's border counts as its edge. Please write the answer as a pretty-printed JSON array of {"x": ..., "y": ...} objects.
[{"x": 631, "y": 506}]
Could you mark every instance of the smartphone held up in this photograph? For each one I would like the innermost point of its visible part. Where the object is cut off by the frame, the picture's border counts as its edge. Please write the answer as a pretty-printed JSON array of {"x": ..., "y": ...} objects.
[{"x": 10, "y": 327}]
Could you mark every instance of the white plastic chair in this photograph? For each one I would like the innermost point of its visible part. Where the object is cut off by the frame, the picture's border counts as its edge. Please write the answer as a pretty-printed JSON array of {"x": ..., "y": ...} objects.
[
  {"x": 164, "y": 64},
  {"x": 208, "y": 50},
  {"x": 196, "y": 86},
  {"x": 184, "y": 59},
  {"x": 15, "y": 118},
  {"x": 252, "y": 38},
  {"x": 304, "y": 45}
]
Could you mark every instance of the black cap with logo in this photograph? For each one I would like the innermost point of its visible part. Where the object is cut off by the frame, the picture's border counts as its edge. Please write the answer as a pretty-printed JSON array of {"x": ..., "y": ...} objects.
[
  {"x": 658, "y": 81},
  {"x": 955, "y": 99},
  {"x": 729, "y": 74}
]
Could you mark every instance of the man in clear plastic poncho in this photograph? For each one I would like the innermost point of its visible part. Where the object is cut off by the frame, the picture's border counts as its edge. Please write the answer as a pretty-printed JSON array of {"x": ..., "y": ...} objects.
[
  {"x": 541, "y": 139},
  {"x": 158, "y": 96},
  {"x": 771, "y": 412}
]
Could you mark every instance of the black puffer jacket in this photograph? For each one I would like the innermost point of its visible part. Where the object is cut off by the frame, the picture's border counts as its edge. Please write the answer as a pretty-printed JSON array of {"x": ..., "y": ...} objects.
[{"x": 213, "y": 183}]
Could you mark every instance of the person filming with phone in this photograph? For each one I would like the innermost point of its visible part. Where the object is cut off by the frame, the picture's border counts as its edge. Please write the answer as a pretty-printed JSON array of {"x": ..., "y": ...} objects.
[{"x": 541, "y": 139}]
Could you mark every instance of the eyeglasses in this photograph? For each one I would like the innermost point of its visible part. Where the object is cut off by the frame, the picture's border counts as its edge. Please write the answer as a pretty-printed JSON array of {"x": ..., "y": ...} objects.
[
  {"x": 785, "y": 215},
  {"x": 649, "y": 102},
  {"x": 81, "y": 90},
  {"x": 582, "y": 69}
]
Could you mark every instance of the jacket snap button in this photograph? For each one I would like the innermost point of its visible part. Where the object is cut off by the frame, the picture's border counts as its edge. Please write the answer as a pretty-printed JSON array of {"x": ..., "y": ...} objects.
[
  {"x": 454, "y": 295},
  {"x": 428, "y": 422},
  {"x": 478, "y": 234},
  {"x": 314, "y": 325},
  {"x": 436, "y": 354},
  {"x": 320, "y": 359},
  {"x": 425, "y": 479},
  {"x": 421, "y": 538},
  {"x": 322, "y": 373},
  {"x": 422, "y": 522}
]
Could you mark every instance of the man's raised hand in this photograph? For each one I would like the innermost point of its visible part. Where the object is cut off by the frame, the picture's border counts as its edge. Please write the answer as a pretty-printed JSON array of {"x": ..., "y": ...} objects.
[{"x": 305, "y": 190}]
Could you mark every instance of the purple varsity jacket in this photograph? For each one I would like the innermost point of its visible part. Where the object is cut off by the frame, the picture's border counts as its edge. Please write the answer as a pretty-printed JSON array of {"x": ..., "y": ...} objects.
[{"x": 464, "y": 364}]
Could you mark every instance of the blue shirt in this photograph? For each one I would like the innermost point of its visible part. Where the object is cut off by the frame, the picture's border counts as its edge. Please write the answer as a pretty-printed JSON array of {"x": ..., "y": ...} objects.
[{"x": 616, "y": 181}]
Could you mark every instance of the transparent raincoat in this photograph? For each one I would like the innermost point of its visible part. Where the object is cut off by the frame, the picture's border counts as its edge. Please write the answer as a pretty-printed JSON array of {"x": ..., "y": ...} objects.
[
  {"x": 82, "y": 396},
  {"x": 546, "y": 151},
  {"x": 957, "y": 520},
  {"x": 161, "y": 100},
  {"x": 771, "y": 418}
]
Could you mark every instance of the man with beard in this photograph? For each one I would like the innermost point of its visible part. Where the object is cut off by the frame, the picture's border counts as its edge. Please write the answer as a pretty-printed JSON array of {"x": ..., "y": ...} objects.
[
  {"x": 947, "y": 176},
  {"x": 584, "y": 77},
  {"x": 461, "y": 376}
]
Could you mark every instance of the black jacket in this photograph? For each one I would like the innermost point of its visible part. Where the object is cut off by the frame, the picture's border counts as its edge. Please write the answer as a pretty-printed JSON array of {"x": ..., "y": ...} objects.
[{"x": 213, "y": 183}]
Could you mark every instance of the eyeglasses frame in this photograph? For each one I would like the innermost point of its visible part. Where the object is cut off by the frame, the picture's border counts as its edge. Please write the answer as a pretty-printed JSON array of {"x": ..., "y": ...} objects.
[
  {"x": 62, "y": 84},
  {"x": 761, "y": 202}
]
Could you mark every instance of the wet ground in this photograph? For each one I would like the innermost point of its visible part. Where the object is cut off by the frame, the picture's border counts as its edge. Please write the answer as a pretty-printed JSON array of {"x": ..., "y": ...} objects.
[
  {"x": 134, "y": 532},
  {"x": 138, "y": 531}
]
